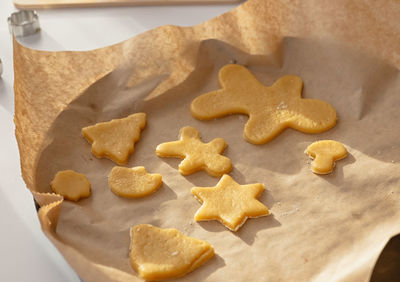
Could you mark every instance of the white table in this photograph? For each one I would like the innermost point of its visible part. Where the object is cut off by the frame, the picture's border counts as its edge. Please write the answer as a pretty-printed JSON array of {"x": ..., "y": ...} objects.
[{"x": 26, "y": 254}]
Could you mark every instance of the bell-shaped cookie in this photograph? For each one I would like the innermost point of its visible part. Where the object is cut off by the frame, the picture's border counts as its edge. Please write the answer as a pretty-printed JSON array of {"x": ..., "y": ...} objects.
[{"x": 159, "y": 254}]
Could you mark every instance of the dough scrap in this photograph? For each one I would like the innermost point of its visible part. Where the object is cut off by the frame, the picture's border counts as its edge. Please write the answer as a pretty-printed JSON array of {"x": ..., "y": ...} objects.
[
  {"x": 71, "y": 185},
  {"x": 197, "y": 155},
  {"x": 158, "y": 254},
  {"x": 325, "y": 153},
  {"x": 133, "y": 182},
  {"x": 115, "y": 139},
  {"x": 229, "y": 202},
  {"x": 270, "y": 109}
]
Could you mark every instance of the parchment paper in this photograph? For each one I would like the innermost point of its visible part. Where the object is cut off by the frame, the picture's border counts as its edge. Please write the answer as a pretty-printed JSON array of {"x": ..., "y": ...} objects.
[{"x": 322, "y": 228}]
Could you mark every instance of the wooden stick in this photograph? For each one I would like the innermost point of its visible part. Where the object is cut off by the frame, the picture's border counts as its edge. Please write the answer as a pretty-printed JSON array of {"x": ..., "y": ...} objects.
[{"x": 46, "y": 4}]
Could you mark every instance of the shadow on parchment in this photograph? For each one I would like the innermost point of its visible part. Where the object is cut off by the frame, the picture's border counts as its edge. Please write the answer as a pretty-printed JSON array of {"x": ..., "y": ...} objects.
[
  {"x": 336, "y": 177},
  {"x": 205, "y": 270}
]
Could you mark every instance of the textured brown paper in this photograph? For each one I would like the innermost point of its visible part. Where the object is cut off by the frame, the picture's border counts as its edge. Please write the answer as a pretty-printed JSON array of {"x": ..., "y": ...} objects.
[{"x": 322, "y": 228}]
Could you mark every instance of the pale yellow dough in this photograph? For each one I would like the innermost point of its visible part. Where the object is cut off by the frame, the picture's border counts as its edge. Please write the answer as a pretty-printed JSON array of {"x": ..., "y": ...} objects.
[
  {"x": 229, "y": 202},
  {"x": 197, "y": 155},
  {"x": 270, "y": 109},
  {"x": 71, "y": 185},
  {"x": 325, "y": 153},
  {"x": 159, "y": 254},
  {"x": 115, "y": 139},
  {"x": 133, "y": 182}
]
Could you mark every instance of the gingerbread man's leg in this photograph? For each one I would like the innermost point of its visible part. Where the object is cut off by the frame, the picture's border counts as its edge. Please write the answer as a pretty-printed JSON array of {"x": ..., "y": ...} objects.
[
  {"x": 189, "y": 165},
  {"x": 218, "y": 165},
  {"x": 261, "y": 129}
]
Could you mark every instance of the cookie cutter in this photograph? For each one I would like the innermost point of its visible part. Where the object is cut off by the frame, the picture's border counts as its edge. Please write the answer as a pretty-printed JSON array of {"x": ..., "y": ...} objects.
[{"x": 23, "y": 23}]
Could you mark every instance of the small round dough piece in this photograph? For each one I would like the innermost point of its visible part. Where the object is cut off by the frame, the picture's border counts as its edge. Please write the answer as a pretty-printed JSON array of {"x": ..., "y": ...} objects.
[
  {"x": 325, "y": 153},
  {"x": 133, "y": 182},
  {"x": 71, "y": 185}
]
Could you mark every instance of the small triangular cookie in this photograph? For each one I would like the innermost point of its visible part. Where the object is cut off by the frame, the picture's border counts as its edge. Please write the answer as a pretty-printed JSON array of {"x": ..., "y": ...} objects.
[
  {"x": 133, "y": 182},
  {"x": 158, "y": 254},
  {"x": 115, "y": 139}
]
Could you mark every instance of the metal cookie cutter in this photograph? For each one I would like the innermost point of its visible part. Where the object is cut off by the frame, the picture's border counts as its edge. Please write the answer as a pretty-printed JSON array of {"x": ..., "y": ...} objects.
[{"x": 23, "y": 23}]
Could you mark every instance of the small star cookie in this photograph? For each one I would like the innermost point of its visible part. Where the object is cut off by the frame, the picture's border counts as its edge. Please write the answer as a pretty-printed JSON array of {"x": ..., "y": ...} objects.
[
  {"x": 270, "y": 109},
  {"x": 159, "y": 254},
  {"x": 71, "y": 185},
  {"x": 133, "y": 182},
  {"x": 325, "y": 153},
  {"x": 115, "y": 139},
  {"x": 197, "y": 155},
  {"x": 229, "y": 202}
]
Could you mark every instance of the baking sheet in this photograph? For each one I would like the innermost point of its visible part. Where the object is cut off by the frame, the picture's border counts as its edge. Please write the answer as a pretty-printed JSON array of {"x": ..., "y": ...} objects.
[{"x": 321, "y": 228}]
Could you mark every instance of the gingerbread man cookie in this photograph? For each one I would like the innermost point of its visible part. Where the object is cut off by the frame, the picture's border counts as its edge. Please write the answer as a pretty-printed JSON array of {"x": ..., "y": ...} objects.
[
  {"x": 270, "y": 109},
  {"x": 229, "y": 202},
  {"x": 71, "y": 185},
  {"x": 133, "y": 182},
  {"x": 159, "y": 254},
  {"x": 115, "y": 139},
  {"x": 197, "y": 155},
  {"x": 325, "y": 153}
]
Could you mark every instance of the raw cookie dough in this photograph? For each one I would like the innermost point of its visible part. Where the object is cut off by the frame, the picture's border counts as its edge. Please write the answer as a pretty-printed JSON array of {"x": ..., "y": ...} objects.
[
  {"x": 270, "y": 109},
  {"x": 229, "y": 202},
  {"x": 71, "y": 185},
  {"x": 133, "y": 182},
  {"x": 197, "y": 155},
  {"x": 325, "y": 153},
  {"x": 115, "y": 139},
  {"x": 158, "y": 254}
]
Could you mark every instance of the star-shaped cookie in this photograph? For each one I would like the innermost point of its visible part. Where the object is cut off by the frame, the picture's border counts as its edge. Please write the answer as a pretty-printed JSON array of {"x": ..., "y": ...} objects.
[
  {"x": 270, "y": 109},
  {"x": 196, "y": 155},
  {"x": 229, "y": 202}
]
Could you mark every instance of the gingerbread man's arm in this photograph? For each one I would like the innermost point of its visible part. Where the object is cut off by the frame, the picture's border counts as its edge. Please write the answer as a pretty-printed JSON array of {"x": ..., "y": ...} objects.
[
  {"x": 215, "y": 104},
  {"x": 170, "y": 149}
]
